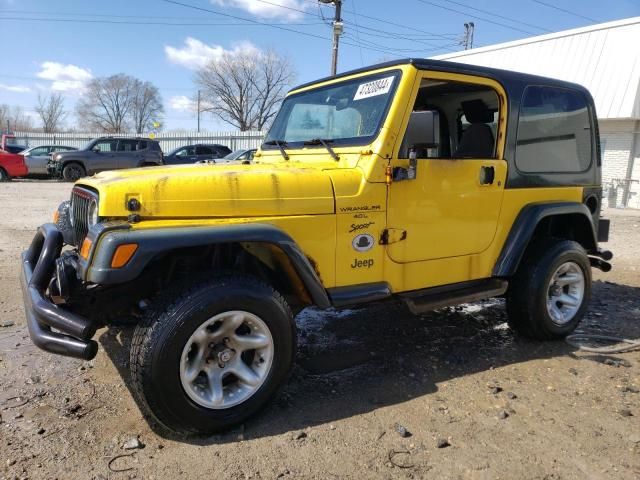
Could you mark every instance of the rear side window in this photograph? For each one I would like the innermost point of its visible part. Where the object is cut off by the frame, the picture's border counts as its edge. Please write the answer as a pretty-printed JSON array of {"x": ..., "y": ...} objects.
[
  {"x": 127, "y": 145},
  {"x": 554, "y": 131},
  {"x": 201, "y": 150},
  {"x": 142, "y": 144}
]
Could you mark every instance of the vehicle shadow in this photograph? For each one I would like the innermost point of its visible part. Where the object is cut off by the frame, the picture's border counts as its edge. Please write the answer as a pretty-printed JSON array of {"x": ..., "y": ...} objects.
[{"x": 354, "y": 361}]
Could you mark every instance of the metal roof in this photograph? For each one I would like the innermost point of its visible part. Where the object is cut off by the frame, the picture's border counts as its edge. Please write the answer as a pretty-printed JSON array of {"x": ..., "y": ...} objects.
[{"x": 605, "y": 58}]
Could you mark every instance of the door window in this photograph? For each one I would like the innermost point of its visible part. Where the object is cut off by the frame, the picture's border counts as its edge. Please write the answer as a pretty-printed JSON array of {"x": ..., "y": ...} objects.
[
  {"x": 105, "y": 146},
  {"x": 452, "y": 120},
  {"x": 186, "y": 152},
  {"x": 40, "y": 151}
]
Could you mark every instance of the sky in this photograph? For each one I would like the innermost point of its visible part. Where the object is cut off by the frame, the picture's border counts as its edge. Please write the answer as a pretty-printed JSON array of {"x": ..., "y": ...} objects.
[{"x": 58, "y": 46}]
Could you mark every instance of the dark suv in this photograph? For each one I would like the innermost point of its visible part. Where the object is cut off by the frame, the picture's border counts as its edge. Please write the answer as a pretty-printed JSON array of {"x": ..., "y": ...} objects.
[
  {"x": 105, "y": 153},
  {"x": 196, "y": 153}
]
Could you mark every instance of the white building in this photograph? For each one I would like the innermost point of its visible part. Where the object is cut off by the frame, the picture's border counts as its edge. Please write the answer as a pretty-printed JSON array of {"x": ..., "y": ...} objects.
[{"x": 605, "y": 58}]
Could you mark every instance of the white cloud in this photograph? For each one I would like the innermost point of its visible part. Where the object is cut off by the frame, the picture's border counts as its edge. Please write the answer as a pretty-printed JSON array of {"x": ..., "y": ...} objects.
[
  {"x": 286, "y": 9},
  {"x": 15, "y": 88},
  {"x": 182, "y": 103},
  {"x": 196, "y": 54},
  {"x": 64, "y": 78}
]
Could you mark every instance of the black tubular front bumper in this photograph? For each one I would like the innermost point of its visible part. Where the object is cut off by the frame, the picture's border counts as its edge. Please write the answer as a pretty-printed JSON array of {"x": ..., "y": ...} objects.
[{"x": 73, "y": 333}]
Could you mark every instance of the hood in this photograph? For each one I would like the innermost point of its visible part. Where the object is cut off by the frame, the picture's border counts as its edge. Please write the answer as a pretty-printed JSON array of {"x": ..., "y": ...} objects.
[{"x": 210, "y": 190}]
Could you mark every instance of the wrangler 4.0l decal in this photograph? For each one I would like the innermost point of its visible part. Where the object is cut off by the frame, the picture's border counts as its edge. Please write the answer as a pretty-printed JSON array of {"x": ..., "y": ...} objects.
[{"x": 363, "y": 208}]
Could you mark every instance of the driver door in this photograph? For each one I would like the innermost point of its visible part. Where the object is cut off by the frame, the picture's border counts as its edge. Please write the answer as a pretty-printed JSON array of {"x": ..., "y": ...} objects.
[
  {"x": 451, "y": 207},
  {"x": 103, "y": 156}
]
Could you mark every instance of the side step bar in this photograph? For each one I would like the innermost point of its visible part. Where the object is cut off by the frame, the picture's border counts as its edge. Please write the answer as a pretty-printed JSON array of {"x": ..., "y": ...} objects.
[{"x": 420, "y": 301}]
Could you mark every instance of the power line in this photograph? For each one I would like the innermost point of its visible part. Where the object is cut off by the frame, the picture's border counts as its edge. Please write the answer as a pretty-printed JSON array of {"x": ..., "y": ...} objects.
[
  {"x": 477, "y": 17},
  {"x": 355, "y": 16},
  {"x": 102, "y": 15},
  {"x": 279, "y": 27},
  {"x": 388, "y": 22},
  {"x": 509, "y": 19},
  {"x": 566, "y": 11},
  {"x": 127, "y": 22}
]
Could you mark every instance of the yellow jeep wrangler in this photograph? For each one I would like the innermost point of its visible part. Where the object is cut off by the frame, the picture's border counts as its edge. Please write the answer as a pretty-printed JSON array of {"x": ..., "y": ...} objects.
[{"x": 435, "y": 182}]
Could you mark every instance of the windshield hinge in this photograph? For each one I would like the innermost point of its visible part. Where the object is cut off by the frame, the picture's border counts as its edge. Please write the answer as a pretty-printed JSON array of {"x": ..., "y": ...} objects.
[{"x": 392, "y": 235}]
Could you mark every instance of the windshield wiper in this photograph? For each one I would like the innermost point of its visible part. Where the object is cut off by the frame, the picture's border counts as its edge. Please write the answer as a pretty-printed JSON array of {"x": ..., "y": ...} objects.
[
  {"x": 325, "y": 143},
  {"x": 280, "y": 144}
]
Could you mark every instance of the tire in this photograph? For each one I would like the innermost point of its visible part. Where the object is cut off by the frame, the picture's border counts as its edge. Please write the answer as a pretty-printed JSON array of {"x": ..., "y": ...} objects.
[
  {"x": 73, "y": 171},
  {"x": 166, "y": 349},
  {"x": 551, "y": 272},
  {"x": 4, "y": 177}
]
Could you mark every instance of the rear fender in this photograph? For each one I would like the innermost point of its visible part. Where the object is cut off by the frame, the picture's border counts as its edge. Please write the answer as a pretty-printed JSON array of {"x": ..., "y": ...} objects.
[{"x": 570, "y": 220}]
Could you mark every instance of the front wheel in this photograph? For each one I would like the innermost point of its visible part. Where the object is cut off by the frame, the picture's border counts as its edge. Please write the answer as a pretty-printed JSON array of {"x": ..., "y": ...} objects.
[
  {"x": 4, "y": 177},
  {"x": 550, "y": 293},
  {"x": 72, "y": 172},
  {"x": 213, "y": 354}
]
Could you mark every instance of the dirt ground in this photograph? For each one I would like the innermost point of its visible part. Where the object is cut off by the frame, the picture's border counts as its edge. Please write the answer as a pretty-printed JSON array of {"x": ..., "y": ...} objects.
[{"x": 507, "y": 407}]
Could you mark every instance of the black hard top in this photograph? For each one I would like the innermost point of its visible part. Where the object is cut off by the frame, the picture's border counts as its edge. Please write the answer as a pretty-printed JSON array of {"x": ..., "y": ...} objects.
[{"x": 502, "y": 76}]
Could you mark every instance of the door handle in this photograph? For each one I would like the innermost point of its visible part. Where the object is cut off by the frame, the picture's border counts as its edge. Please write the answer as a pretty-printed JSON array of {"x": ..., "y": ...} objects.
[{"x": 487, "y": 175}]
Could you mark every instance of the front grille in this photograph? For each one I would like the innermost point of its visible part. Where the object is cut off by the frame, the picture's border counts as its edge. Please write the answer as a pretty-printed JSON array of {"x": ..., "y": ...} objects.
[{"x": 80, "y": 201}]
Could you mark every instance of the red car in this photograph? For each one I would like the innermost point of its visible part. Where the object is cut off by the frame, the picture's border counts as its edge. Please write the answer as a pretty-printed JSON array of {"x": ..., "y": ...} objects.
[{"x": 11, "y": 165}]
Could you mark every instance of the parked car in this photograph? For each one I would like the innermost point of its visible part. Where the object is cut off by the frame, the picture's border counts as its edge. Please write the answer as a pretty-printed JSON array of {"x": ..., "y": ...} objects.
[
  {"x": 383, "y": 183},
  {"x": 105, "y": 153},
  {"x": 196, "y": 153},
  {"x": 6, "y": 143},
  {"x": 37, "y": 158},
  {"x": 242, "y": 155},
  {"x": 11, "y": 165}
]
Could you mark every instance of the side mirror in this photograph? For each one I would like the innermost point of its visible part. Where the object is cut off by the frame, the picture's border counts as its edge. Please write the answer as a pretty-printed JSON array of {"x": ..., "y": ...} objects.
[{"x": 96, "y": 149}]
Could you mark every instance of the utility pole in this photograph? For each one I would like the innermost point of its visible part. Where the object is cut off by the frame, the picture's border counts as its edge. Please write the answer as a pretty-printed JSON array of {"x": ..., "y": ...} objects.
[
  {"x": 467, "y": 40},
  {"x": 198, "y": 111},
  {"x": 338, "y": 28}
]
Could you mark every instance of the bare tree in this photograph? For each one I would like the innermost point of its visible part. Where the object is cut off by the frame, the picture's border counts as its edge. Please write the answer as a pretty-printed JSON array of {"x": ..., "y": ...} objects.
[
  {"x": 245, "y": 89},
  {"x": 15, "y": 119},
  {"x": 51, "y": 112},
  {"x": 107, "y": 103},
  {"x": 147, "y": 105}
]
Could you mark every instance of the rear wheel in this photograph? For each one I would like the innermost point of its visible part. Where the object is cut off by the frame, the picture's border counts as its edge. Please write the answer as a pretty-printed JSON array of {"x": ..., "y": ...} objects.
[
  {"x": 4, "y": 177},
  {"x": 73, "y": 171},
  {"x": 550, "y": 293},
  {"x": 213, "y": 354}
]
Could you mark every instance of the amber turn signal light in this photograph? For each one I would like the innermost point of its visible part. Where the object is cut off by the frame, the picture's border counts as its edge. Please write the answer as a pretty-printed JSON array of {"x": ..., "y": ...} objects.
[
  {"x": 86, "y": 247},
  {"x": 123, "y": 254},
  {"x": 56, "y": 216}
]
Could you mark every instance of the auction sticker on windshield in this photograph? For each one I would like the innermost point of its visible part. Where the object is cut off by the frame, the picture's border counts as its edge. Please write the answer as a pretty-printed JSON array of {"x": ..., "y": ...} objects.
[{"x": 374, "y": 88}]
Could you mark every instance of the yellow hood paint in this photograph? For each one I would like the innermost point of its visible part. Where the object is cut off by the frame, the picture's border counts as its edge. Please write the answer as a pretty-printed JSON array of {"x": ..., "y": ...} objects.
[{"x": 206, "y": 191}]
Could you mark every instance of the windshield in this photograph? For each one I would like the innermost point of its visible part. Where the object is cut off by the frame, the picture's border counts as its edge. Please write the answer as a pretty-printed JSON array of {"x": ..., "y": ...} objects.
[
  {"x": 345, "y": 113},
  {"x": 88, "y": 146},
  {"x": 233, "y": 155}
]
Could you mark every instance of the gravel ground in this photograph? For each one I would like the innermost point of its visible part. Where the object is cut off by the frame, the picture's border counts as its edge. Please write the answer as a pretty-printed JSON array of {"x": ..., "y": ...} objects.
[{"x": 376, "y": 392}]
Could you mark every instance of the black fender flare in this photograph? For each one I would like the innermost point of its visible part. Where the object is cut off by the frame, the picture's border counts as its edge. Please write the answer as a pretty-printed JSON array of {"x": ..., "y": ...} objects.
[
  {"x": 151, "y": 242},
  {"x": 525, "y": 225}
]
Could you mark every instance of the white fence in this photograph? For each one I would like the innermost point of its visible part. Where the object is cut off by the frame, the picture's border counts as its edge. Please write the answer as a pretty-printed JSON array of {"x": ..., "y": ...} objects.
[{"x": 168, "y": 141}]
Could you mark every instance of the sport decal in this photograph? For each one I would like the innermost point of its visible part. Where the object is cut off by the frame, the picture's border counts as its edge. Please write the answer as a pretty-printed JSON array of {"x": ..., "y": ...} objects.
[
  {"x": 372, "y": 89},
  {"x": 363, "y": 242},
  {"x": 360, "y": 226}
]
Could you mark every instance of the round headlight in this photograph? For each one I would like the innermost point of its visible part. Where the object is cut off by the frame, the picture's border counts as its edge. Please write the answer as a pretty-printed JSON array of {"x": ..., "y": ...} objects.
[{"x": 92, "y": 216}]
